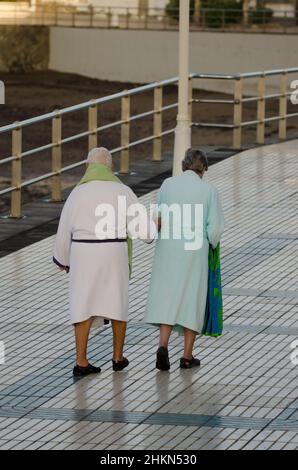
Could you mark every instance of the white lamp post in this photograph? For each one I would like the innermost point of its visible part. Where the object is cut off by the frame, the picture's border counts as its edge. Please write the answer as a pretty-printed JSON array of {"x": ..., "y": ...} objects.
[{"x": 183, "y": 131}]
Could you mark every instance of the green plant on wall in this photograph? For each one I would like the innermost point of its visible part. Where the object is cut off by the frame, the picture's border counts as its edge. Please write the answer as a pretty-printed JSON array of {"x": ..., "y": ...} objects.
[
  {"x": 260, "y": 15},
  {"x": 24, "y": 48},
  {"x": 214, "y": 12},
  {"x": 217, "y": 13},
  {"x": 172, "y": 9}
]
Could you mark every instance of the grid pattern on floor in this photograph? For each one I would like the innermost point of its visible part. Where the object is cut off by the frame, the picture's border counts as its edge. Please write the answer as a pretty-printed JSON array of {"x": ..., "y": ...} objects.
[{"x": 245, "y": 394}]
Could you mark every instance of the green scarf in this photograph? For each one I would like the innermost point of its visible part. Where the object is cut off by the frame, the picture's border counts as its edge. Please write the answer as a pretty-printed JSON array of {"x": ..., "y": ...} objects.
[{"x": 98, "y": 172}]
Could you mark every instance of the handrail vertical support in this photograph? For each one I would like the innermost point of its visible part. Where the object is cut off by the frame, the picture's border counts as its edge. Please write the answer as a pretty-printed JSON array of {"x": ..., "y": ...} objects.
[
  {"x": 238, "y": 93},
  {"x": 56, "y": 14},
  {"x": 56, "y": 157},
  {"x": 73, "y": 17},
  {"x": 190, "y": 93},
  {"x": 283, "y": 106},
  {"x": 125, "y": 134},
  {"x": 127, "y": 18},
  {"x": 157, "y": 124},
  {"x": 92, "y": 126},
  {"x": 91, "y": 8},
  {"x": 261, "y": 110},
  {"x": 110, "y": 18},
  {"x": 16, "y": 176}
]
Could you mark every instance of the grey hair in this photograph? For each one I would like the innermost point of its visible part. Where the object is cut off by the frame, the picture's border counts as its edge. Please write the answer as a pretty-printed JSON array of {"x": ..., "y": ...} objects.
[
  {"x": 100, "y": 155},
  {"x": 196, "y": 160}
]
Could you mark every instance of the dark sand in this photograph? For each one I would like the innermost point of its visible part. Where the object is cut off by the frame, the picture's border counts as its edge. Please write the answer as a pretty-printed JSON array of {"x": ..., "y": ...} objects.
[{"x": 37, "y": 93}]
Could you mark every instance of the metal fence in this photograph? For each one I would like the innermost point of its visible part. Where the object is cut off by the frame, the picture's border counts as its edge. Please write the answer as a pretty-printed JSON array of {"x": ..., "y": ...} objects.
[
  {"x": 54, "y": 14},
  {"x": 93, "y": 130}
]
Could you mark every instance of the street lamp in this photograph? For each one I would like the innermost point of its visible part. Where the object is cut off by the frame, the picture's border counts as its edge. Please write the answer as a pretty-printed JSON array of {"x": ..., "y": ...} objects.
[{"x": 183, "y": 131}]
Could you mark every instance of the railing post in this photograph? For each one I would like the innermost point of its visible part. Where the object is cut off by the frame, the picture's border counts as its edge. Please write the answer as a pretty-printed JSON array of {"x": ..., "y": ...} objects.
[
  {"x": 237, "y": 133},
  {"x": 223, "y": 26},
  {"x": 261, "y": 110},
  {"x": 16, "y": 176},
  {"x": 190, "y": 95},
  {"x": 197, "y": 12},
  {"x": 56, "y": 14},
  {"x": 165, "y": 21},
  {"x": 127, "y": 18},
  {"x": 245, "y": 14},
  {"x": 73, "y": 16},
  {"x": 109, "y": 17},
  {"x": 283, "y": 106},
  {"x": 125, "y": 134},
  {"x": 56, "y": 157},
  {"x": 92, "y": 126},
  {"x": 157, "y": 124},
  {"x": 264, "y": 20},
  {"x": 91, "y": 15},
  {"x": 204, "y": 19},
  {"x": 42, "y": 15}
]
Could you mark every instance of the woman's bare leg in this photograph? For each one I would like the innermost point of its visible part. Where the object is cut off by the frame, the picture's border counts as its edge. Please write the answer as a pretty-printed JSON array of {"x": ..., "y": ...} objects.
[
  {"x": 82, "y": 331},
  {"x": 189, "y": 341},
  {"x": 165, "y": 333},
  {"x": 119, "y": 332}
]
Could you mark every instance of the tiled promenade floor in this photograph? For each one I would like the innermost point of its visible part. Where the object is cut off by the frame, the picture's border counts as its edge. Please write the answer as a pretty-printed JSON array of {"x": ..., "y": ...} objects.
[{"x": 245, "y": 394}]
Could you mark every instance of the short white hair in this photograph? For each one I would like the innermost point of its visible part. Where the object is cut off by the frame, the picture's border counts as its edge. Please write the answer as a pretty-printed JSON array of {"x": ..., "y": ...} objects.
[{"x": 100, "y": 155}]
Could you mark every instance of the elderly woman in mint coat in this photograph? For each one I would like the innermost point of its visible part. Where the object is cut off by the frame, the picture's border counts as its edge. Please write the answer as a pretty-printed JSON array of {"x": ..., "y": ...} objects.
[{"x": 179, "y": 281}]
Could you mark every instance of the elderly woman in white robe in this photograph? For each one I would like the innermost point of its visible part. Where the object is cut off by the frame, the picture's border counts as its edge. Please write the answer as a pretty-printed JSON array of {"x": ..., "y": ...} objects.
[{"x": 94, "y": 250}]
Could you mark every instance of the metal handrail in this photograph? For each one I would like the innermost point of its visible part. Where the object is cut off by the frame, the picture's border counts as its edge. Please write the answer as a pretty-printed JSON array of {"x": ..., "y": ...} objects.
[
  {"x": 88, "y": 104},
  {"x": 75, "y": 137},
  {"x": 237, "y": 76},
  {"x": 139, "y": 90},
  {"x": 219, "y": 19},
  {"x": 237, "y": 125}
]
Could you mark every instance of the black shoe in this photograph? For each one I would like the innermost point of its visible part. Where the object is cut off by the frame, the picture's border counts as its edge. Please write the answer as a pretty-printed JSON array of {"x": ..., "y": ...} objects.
[
  {"x": 162, "y": 359},
  {"x": 189, "y": 364},
  {"x": 120, "y": 365},
  {"x": 79, "y": 371}
]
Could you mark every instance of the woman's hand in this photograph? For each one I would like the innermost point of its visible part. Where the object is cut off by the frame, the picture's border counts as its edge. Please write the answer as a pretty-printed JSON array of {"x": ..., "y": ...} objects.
[
  {"x": 66, "y": 269},
  {"x": 158, "y": 223}
]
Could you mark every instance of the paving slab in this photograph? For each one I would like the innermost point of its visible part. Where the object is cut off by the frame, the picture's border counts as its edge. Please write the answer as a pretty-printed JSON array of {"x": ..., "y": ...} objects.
[{"x": 244, "y": 396}]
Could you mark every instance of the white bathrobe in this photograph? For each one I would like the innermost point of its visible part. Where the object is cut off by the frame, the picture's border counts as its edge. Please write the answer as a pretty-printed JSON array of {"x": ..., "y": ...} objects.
[{"x": 99, "y": 272}]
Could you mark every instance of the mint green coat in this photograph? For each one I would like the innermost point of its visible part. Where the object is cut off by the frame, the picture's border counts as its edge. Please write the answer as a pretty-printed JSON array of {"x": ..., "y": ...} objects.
[{"x": 179, "y": 281}]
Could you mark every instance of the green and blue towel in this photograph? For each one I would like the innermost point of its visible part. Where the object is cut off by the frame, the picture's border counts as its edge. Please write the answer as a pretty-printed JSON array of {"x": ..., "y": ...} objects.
[{"x": 214, "y": 308}]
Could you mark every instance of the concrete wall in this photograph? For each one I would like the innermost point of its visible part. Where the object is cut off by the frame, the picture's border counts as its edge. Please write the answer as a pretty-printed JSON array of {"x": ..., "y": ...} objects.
[{"x": 146, "y": 56}]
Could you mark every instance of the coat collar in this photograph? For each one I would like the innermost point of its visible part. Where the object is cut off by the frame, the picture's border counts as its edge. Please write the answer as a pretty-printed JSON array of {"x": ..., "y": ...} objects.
[{"x": 191, "y": 174}]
